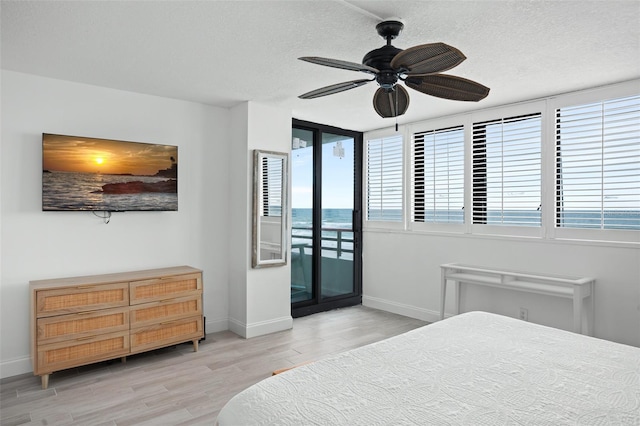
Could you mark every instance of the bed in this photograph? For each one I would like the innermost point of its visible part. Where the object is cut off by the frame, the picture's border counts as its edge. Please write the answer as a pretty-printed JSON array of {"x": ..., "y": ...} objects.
[{"x": 472, "y": 369}]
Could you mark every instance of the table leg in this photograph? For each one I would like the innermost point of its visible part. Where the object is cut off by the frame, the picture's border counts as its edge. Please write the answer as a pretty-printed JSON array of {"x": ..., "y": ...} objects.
[
  {"x": 443, "y": 291},
  {"x": 577, "y": 308},
  {"x": 591, "y": 319}
]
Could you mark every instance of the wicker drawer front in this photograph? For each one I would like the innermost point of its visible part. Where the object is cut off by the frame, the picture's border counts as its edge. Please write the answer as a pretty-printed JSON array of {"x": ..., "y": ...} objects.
[
  {"x": 166, "y": 333},
  {"x": 67, "y": 354},
  {"x": 82, "y": 298},
  {"x": 75, "y": 326},
  {"x": 164, "y": 288},
  {"x": 76, "y": 321},
  {"x": 166, "y": 310}
]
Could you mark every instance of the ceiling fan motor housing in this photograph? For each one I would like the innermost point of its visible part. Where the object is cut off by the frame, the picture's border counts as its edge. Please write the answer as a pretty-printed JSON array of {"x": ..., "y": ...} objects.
[{"x": 380, "y": 59}]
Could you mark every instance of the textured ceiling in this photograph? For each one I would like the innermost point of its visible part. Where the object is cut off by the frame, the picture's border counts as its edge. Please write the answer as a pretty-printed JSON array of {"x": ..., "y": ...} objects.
[{"x": 226, "y": 52}]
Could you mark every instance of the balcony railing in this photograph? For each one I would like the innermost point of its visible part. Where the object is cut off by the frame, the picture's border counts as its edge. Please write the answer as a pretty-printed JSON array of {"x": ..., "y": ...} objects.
[{"x": 336, "y": 242}]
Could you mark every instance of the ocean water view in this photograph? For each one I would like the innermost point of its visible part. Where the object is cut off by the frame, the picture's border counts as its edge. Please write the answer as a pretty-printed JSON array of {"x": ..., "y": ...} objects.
[
  {"x": 331, "y": 218},
  {"x": 83, "y": 191},
  {"x": 609, "y": 219},
  {"x": 590, "y": 219},
  {"x": 337, "y": 238}
]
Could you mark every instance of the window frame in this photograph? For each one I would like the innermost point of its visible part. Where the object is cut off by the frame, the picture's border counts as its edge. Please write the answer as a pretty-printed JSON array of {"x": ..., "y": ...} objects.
[
  {"x": 427, "y": 126},
  {"x": 547, "y": 231},
  {"x": 576, "y": 99},
  {"x": 382, "y": 224},
  {"x": 522, "y": 109}
]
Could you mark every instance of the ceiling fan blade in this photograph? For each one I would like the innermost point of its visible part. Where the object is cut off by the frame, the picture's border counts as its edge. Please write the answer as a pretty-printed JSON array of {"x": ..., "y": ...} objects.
[
  {"x": 334, "y": 88},
  {"x": 391, "y": 103},
  {"x": 337, "y": 63},
  {"x": 448, "y": 87},
  {"x": 427, "y": 58}
]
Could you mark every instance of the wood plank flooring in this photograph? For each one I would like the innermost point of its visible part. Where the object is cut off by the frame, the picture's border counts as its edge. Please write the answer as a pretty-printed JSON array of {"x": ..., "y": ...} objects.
[{"x": 175, "y": 386}]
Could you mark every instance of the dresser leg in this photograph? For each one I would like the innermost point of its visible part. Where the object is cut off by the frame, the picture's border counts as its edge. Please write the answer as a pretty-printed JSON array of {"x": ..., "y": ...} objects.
[
  {"x": 195, "y": 345},
  {"x": 123, "y": 360},
  {"x": 45, "y": 381}
]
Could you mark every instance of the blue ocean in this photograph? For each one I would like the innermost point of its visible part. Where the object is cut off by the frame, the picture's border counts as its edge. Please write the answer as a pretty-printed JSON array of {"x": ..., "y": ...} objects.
[
  {"x": 82, "y": 191},
  {"x": 331, "y": 218},
  {"x": 337, "y": 237},
  {"x": 619, "y": 219}
]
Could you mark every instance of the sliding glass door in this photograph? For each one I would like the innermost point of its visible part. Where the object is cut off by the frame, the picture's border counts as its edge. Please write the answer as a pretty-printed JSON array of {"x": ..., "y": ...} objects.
[
  {"x": 302, "y": 229},
  {"x": 326, "y": 204}
]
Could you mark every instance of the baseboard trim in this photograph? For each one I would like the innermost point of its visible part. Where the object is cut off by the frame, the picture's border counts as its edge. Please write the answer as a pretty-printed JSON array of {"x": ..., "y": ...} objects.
[
  {"x": 260, "y": 328},
  {"x": 268, "y": 327},
  {"x": 238, "y": 327},
  {"x": 217, "y": 325},
  {"x": 401, "y": 309},
  {"x": 16, "y": 367}
]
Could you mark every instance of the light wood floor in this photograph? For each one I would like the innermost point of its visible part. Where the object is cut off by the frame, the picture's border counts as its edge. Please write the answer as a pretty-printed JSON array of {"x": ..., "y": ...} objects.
[{"x": 175, "y": 386}]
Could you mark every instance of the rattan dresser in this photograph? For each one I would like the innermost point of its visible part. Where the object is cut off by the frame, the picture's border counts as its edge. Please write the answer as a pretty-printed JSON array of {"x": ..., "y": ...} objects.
[{"x": 82, "y": 320}]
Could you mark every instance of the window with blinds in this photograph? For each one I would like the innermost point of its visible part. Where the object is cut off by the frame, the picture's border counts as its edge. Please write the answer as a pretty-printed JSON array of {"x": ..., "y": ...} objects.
[
  {"x": 384, "y": 179},
  {"x": 506, "y": 162},
  {"x": 598, "y": 165},
  {"x": 271, "y": 186},
  {"x": 438, "y": 176}
]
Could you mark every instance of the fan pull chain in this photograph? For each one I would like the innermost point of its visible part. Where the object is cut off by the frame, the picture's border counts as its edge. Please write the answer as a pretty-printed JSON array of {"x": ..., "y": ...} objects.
[{"x": 396, "y": 109}]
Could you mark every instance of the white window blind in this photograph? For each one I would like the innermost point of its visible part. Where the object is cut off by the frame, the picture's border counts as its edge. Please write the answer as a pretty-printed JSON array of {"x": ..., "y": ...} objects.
[
  {"x": 598, "y": 165},
  {"x": 438, "y": 176},
  {"x": 272, "y": 186},
  {"x": 507, "y": 171},
  {"x": 384, "y": 179}
]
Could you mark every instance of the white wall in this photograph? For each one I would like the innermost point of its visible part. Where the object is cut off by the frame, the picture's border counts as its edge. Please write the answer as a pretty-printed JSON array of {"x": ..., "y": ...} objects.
[
  {"x": 268, "y": 289},
  {"x": 401, "y": 266},
  {"x": 239, "y": 233},
  {"x": 401, "y": 273},
  {"x": 259, "y": 301},
  {"x": 40, "y": 245}
]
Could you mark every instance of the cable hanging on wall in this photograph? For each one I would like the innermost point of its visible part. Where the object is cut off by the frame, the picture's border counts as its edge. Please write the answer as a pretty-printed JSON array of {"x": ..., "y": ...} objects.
[{"x": 105, "y": 216}]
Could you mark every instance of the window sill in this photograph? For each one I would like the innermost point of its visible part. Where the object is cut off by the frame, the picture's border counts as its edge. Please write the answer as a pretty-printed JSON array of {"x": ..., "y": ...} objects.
[{"x": 523, "y": 238}]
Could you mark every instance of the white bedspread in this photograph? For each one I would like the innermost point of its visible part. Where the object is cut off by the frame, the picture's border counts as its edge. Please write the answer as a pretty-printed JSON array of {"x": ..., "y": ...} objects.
[{"x": 472, "y": 369}]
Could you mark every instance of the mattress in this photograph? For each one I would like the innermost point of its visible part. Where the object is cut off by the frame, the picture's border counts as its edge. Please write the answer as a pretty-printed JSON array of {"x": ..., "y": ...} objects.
[{"x": 472, "y": 369}]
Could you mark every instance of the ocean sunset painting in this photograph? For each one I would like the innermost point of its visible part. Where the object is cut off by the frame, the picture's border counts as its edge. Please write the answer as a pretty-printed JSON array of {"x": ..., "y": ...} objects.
[{"x": 80, "y": 173}]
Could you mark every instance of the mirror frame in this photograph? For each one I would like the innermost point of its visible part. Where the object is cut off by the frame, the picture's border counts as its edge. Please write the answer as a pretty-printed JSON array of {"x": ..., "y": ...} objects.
[{"x": 281, "y": 257}]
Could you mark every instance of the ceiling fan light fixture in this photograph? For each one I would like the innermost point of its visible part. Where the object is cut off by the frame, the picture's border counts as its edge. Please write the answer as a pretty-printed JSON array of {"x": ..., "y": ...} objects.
[{"x": 390, "y": 103}]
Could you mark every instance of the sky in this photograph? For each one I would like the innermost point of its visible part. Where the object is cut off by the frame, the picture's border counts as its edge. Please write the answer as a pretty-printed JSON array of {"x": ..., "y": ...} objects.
[
  {"x": 337, "y": 177},
  {"x": 89, "y": 155}
]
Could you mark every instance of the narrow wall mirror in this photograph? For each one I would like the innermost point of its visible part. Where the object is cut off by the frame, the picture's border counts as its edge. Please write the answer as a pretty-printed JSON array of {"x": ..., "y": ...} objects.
[{"x": 269, "y": 208}]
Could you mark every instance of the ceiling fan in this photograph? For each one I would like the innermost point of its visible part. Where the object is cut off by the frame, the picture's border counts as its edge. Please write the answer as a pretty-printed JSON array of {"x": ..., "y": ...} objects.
[{"x": 419, "y": 67}]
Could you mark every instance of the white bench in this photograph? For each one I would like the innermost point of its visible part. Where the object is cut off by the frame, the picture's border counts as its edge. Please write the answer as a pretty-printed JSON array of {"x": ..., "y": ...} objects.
[{"x": 575, "y": 288}]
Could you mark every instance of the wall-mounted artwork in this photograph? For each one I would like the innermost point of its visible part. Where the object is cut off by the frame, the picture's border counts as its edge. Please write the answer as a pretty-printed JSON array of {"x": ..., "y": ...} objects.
[{"x": 80, "y": 173}]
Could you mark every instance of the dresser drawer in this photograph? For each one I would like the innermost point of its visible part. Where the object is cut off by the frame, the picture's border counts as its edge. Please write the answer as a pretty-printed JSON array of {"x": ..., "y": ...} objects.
[
  {"x": 81, "y": 320},
  {"x": 164, "y": 288},
  {"x": 72, "y": 353},
  {"x": 165, "y": 310},
  {"x": 166, "y": 333},
  {"x": 83, "y": 324},
  {"x": 81, "y": 298}
]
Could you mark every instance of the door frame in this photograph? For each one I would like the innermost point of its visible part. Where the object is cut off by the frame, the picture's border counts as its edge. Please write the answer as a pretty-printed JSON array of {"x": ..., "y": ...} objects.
[{"x": 315, "y": 304}]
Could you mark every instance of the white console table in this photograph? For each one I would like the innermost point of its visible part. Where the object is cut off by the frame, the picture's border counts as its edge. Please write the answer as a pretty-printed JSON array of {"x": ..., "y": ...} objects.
[{"x": 575, "y": 288}]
